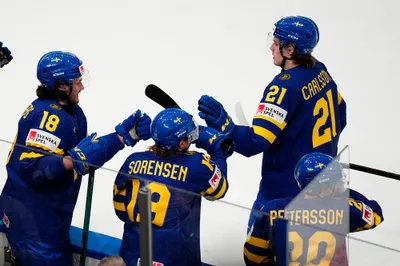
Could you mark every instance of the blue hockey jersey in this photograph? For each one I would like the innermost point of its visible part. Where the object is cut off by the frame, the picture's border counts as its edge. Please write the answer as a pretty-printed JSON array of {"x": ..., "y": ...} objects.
[
  {"x": 301, "y": 111},
  {"x": 35, "y": 204},
  {"x": 316, "y": 232},
  {"x": 176, "y": 184}
]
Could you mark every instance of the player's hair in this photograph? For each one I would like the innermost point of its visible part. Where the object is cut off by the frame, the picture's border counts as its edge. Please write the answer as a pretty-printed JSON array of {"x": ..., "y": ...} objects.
[
  {"x": 112, "y": 260},
  {"x": 304, "y": 60},
  {"x": 52, "y": 94},
  {"x": 165, "y": 153}
]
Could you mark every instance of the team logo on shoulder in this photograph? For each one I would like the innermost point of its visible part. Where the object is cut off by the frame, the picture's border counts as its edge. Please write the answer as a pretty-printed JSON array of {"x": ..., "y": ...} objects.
[
  {"x": 284, "y": 76},
  {"x": 55, "y": 106}
]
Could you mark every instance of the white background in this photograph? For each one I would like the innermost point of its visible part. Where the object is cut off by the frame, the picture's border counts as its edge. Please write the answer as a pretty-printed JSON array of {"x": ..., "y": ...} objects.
[{"x": 191, "y": 48}]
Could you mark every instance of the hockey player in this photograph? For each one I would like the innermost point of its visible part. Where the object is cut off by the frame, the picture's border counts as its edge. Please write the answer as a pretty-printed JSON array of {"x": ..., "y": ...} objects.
[
  {"x": 50, "y": 154},
  {"x": 5, "y": 55},
  {"x": 176, "y": 178},
  {"x": 328, "y": 210},
  {"x": 300, "y": 111}
]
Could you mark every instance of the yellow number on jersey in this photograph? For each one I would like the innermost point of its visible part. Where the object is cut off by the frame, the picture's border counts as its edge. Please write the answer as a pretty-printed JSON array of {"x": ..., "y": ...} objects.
[
  {"x": 159, "y": 208},
  {"x": 50, "y": 122},
  {"x": 327, "y": 109},
  {"x": 313, "y": 246},
  {"x": 274, "y": 90}
]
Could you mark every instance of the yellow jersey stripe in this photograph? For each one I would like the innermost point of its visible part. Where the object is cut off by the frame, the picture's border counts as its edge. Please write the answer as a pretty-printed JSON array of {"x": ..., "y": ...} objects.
[
  {"x": 30, "y": 155},
  {"x": 222, "y": 190},
  {"x": 339, "y": 96},
  {"x": 265, "y": 133},
  {"x": 253, "y": 257},
  {"x": 119, "y": 206},
  {"x": 36, "y": 145},
  {"x": 269, "y": 119},
  {"x": 258, "y": 242}
]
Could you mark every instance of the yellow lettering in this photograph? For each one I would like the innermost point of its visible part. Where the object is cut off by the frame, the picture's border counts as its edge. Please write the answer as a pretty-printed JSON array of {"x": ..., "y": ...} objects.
[
  {"x": 167, "y": 170},
  {"x": 131, "y": 164},
  {"x": 182, "y": 173},
  {"x": 136, "y": 167},
  {"x": 272, "y": 216},
  {"x": 174, "y": 171},
  {"x": 314, "y": 217},
  {"x": 150, "y": 167},
  {"x": 303, "y": 91},
  {"x": 144, "y": 167},
  {"x": 322, "y": 216},
  {"x": 306, "y": 217},
  {"x": 159, "y": 167},
  {"x": 206, "y": 162}
]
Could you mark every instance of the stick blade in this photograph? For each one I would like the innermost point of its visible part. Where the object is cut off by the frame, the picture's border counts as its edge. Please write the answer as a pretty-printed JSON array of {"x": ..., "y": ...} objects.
[
  {"x": 240, "y": 114},
  {"x": 159, "y": 96}
]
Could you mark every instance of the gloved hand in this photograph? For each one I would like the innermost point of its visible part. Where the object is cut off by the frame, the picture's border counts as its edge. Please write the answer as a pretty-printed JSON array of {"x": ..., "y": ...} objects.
[
  {"x": 215, "y": 115},
  {"x": 136, "y": 127},
  {"x": 5, "y": 55},
  {"x": 212, "y": 141},
  {"x": 88, "y": 151}
]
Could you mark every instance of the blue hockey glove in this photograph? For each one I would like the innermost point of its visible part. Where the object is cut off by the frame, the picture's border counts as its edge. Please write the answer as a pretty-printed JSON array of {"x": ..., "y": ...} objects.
[
  {"x": 213, "y": 141},
  {"x": 88, "y": 151},
  {"x": 215, "y": 115},
  {"x": 136, "y": 127},
  {"x": 5, "y": 55}
]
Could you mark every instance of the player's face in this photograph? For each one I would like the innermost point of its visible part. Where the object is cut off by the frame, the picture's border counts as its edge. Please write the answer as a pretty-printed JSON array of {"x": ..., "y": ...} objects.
[
  {"x": 276, "y": 53},
  {"x": 77, "y": 86}
]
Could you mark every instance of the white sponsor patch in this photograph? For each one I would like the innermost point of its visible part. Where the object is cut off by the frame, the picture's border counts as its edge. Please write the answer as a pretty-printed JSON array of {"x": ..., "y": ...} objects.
[
  {"x": 216, "y": 177},
  {"x": 367, "y": 214},
  {"x": 40, "y": 138},
  {"x": 272, "y": 111}
]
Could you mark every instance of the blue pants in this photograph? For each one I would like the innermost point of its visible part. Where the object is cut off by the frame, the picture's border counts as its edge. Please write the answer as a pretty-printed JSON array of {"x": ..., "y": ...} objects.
[{"x": 31, "y": 253}]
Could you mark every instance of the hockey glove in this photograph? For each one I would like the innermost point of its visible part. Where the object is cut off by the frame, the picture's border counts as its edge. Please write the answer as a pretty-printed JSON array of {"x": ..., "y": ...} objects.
[
  {"x": 136, "y": 127},
  {"x": 88, "y": 151},
  {"x": 213, "y": 141},
  {"x": 5, "y": 55},
  {"x": 215, "y": 115}
]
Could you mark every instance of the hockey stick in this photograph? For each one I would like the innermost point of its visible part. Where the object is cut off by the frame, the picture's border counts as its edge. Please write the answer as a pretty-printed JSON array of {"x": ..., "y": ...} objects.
[
  {"x": 85, "y": 232},
  {"x": 162, "y": 98},
  {"x": 242, "y": 120}
]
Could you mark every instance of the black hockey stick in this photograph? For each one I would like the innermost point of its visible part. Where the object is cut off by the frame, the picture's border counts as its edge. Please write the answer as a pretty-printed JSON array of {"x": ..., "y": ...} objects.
[
  {"x": 162, "y": 98},
  {"x": 372, "y": 171},
  {"x": 85, "y": 231}
]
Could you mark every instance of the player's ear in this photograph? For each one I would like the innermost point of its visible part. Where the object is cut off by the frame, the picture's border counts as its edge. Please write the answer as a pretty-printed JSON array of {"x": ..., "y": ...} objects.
[{"x": 288, "y": 51}]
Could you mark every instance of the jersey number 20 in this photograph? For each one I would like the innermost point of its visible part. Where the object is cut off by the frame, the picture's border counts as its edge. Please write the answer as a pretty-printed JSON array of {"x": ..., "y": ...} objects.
[{"x": 313, "y": 248}]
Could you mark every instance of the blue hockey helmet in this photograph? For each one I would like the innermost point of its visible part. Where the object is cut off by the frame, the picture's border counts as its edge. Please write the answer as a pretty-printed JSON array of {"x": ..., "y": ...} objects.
[
  {"x": 298, "y": 30},
  {"x": 316, "y": 170},
  {"x": 172, "y": 125},
  {"x": 58, "y": 65}
]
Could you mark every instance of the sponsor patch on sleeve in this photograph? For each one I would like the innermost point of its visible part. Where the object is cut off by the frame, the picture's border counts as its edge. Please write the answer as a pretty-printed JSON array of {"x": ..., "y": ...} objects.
[
  {"x": 216, "y": 178},
  {"x": 367, "y": 214},
  {"x": 272, "y": 111},
  {"x": 42, "y": 139}
]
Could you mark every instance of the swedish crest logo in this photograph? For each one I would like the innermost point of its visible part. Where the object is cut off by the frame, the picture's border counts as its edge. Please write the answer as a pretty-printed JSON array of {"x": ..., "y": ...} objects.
[
  {"x": 55, "y": 106},
  {"x": 284, "y": 76}
]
